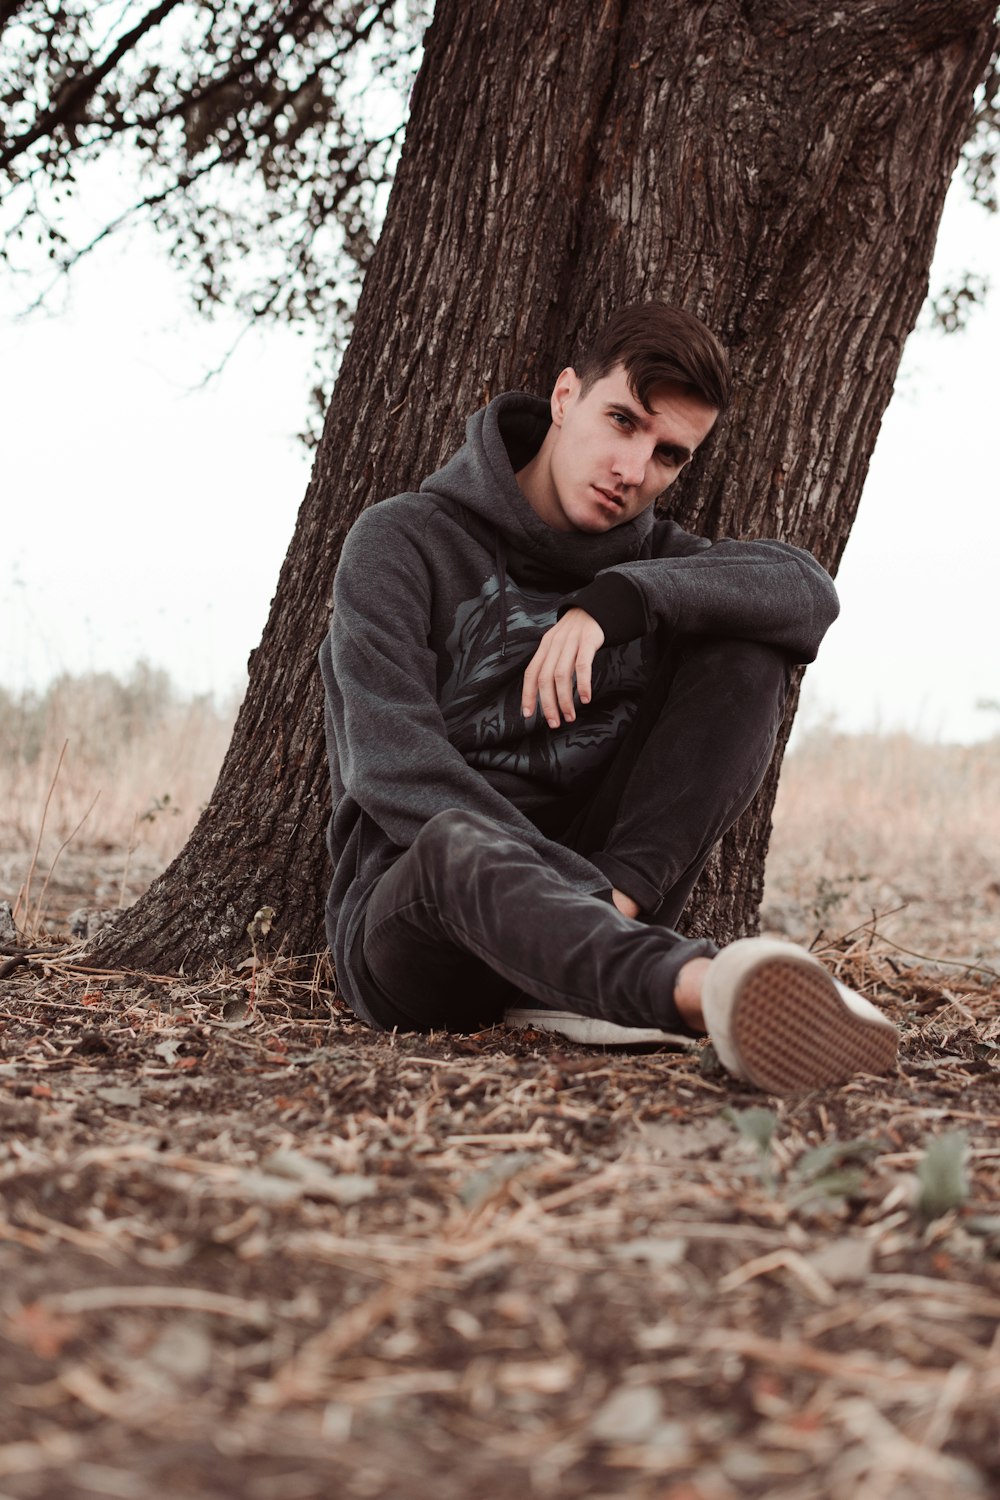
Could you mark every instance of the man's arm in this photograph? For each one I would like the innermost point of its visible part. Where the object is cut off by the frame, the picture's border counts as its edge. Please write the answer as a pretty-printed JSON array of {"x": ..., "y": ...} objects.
[{"x": 763, "y": 591}]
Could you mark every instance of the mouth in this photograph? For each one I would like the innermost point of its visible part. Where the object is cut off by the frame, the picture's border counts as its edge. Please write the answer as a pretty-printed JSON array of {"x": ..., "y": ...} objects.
[{"x": 614, "y": 502}]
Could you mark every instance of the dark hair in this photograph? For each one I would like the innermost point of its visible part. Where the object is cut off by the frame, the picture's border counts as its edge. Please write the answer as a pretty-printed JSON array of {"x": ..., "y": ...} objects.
[{"x": 658, "y": 344}]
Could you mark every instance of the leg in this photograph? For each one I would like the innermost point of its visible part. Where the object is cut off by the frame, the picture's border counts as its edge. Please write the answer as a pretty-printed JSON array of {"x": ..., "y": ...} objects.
[
  {"x": 469, "y": 916},
  {"x": 691, "y": 763}
]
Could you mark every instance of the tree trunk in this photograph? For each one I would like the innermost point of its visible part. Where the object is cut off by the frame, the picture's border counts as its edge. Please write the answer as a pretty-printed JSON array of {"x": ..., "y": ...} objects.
[{"x": 774, "y": 165}]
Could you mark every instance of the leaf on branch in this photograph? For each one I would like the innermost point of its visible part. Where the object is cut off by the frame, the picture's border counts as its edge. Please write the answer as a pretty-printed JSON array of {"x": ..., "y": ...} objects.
[{"x": 952, "y": 308}]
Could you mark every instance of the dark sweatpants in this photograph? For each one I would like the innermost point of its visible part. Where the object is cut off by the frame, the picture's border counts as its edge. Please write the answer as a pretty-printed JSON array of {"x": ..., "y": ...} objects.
[{"x": 470, "y": 918}]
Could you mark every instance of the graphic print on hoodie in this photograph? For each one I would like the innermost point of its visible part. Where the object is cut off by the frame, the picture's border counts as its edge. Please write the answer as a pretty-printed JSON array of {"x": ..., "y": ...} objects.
[{"x": 494, "y": 638}]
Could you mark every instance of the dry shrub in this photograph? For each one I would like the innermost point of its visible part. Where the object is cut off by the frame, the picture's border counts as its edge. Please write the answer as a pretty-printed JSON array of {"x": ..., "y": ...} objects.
[
  {"x": 870, "y": 822},
  {"x": 149, "y": 756}
]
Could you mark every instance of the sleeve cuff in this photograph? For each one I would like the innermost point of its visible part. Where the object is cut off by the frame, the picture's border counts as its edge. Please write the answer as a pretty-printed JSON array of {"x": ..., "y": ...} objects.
[{"x": 616, "y": 605}]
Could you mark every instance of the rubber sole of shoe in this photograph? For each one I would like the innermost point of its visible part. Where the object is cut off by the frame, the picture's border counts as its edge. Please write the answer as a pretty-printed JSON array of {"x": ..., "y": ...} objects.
[
  {"x": 793, "y": 1031},
  {"x": 591, "y": 1031}
]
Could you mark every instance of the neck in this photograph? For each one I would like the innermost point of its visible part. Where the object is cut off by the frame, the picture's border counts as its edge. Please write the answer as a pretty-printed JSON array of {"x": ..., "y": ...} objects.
[{"x": 535, "y": 484}]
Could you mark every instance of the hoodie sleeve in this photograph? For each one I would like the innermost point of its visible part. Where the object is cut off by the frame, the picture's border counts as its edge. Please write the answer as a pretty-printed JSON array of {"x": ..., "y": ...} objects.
[
  {"x": 759, "y": 591},
  {"x": 394, "y": 756}
]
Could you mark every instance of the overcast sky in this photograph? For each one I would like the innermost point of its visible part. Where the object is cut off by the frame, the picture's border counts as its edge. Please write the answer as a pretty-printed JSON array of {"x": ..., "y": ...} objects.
[{"x": 146, "y": 515}]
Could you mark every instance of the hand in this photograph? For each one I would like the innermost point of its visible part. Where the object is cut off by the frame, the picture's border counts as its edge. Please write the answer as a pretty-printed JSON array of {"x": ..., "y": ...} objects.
[
  {"x": 565, "y": 654},
  {"x": 625, "y": 904}
]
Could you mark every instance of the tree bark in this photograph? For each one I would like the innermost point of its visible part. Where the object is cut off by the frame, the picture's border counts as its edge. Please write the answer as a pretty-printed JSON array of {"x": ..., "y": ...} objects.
[{"x": 777, "y": 167}]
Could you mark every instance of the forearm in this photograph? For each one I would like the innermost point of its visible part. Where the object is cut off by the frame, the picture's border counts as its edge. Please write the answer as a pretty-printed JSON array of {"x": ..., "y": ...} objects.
[{"x": 758, "y": 591}]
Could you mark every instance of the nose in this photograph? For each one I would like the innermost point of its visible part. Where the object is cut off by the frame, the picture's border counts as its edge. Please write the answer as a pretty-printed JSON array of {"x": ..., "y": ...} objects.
[{"x": 630, "y": 464}]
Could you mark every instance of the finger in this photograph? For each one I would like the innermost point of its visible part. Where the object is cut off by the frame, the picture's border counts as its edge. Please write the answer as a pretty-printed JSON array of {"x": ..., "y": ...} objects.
[
  {"x": 557, "y": 675},
  {"x": 547, "y": 698},
  {"x": 565, "y": 680},
  {"x": 584, "y": 665},
  {"x": 591, "y": 641},
  {"x": 537, "y": 689},
  {"x": 529, "y": 686}
]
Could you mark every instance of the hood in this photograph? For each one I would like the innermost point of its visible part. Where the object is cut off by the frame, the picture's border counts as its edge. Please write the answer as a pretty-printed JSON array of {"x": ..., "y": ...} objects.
[{"x": 499, "y": 439}]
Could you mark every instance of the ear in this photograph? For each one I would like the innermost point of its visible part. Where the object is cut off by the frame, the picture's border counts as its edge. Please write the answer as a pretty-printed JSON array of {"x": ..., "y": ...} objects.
[{"x": 564, "y": 393}]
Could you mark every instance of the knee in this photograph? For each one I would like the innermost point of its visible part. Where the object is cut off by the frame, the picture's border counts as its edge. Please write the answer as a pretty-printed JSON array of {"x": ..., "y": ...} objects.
[
  {"x": 451, "y": 853},
  {"x": 453, "y": 822},
  {"x": 448, "y": 833},
  {"x": 748, "y": 666}
]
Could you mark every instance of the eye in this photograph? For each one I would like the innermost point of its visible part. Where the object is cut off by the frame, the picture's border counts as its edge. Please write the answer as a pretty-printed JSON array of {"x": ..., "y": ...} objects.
[{"x": 622, "y": 420}]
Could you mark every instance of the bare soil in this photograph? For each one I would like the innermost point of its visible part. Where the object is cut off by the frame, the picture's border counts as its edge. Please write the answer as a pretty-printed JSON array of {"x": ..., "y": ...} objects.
[{"x": 249, "y": 1248}]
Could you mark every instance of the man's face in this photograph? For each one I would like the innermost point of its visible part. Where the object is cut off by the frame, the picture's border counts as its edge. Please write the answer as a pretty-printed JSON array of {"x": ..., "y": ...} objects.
[{"x": 608, "y": 457}]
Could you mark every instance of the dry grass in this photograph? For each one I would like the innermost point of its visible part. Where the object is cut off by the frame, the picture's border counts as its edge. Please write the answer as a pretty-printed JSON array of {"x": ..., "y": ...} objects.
[
  {"x": 147, "y": 755},
  {"x": 867, "y": 824},
  {"x": 118, "y": 771}
]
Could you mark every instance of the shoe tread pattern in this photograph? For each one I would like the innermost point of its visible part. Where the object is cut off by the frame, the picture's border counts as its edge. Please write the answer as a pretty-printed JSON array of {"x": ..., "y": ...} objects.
[{"x": 794, "y": 1032}]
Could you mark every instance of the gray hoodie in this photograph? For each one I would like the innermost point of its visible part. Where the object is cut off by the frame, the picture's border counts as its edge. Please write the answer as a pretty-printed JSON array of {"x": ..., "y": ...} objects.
[{"x": 440, "y": 600}]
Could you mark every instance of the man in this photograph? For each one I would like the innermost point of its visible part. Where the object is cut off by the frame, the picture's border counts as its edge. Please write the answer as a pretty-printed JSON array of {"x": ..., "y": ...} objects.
[{"x": 544, "y": 708}]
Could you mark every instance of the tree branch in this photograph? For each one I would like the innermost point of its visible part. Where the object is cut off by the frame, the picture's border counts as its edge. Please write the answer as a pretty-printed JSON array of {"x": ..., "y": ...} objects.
[
  {"x": 75, "y": 93},
  {"x": 181, "y": 105},
  {"x": 152, "y": 200}
]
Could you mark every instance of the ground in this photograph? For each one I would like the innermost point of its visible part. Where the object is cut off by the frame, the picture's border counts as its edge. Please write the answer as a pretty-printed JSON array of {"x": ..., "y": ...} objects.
[{"x": 249, "y": 1248}]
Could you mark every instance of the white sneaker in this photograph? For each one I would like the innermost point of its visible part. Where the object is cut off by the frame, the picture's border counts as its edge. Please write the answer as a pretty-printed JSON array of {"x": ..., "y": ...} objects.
[
  {"x": 590, "y": 1030},
  {"x": 777, "y": 1019}
]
